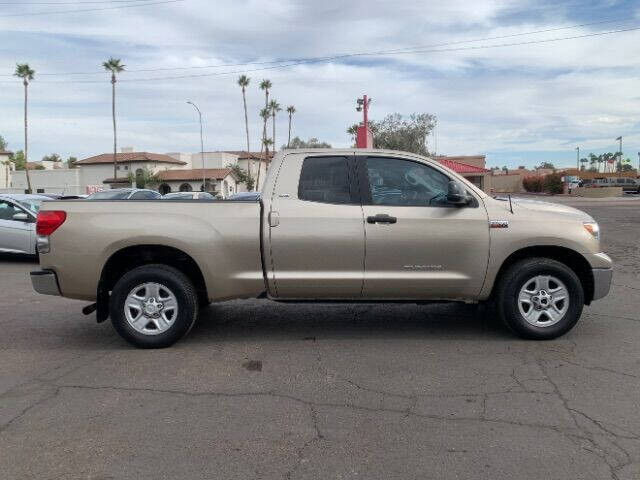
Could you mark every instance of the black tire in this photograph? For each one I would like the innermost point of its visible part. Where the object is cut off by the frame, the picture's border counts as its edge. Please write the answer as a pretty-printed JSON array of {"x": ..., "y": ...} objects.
[
  {"x": 180, "y": 286},
  {"x": 515, "y": 277}
]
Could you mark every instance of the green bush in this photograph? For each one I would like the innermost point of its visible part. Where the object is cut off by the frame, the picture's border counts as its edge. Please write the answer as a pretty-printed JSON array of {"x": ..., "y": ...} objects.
[
  {"x": 552, "y": 183},
  {"x": 532, "y": 183}
]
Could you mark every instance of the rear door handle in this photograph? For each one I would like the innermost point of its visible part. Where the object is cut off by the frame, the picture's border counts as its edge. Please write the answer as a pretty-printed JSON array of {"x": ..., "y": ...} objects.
[{"x": 381, "y": 218}]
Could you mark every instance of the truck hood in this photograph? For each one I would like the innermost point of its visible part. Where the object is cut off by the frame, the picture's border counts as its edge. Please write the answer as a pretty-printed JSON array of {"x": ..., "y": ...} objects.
[{"x": 538, "y": 206}]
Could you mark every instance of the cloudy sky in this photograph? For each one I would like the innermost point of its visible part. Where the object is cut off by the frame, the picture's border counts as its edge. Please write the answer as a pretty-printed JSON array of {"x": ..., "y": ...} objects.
[{"x": 518, "y": 104}]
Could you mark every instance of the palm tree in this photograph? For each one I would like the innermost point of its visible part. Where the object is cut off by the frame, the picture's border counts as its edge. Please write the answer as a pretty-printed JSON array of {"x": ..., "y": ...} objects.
[
  {"x": 25, "y": 72},
  {"x": 290, "y": 110},
  {"x": 243, "y": 81},
  {"x": 274, "y": 107},
  {"x": 114, "y": 66},
  {"x": 264, "y": 113},
  {"x": 266, "y": 86}
]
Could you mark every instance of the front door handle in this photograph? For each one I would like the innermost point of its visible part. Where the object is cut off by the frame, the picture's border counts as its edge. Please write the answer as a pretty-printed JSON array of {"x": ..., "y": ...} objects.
[{"x": 382, "y": 218}]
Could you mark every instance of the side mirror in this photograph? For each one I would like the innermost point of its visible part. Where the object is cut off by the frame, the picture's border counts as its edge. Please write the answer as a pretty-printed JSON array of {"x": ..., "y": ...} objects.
[
  {"x": 457, "y": 194},
  {"x": 21, "y": 217}
]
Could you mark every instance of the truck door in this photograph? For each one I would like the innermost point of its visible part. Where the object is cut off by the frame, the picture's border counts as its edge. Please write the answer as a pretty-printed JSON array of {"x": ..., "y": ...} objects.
[
  {"x": 316, "y": 228},
  {"x": 417, "y": 245}
]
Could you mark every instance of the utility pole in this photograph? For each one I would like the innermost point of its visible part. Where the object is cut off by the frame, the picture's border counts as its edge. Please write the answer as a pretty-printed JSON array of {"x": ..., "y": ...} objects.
[
  {"x": 204, "y": 182},
  {"x": 578, "y": 163}
]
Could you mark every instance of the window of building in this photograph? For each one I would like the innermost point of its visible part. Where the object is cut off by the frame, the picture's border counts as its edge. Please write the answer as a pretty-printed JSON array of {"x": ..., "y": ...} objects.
[
  {"x": 40, "y": 190},
  {"x": 325, "y": 179},
  {"x": 186, "y": 187}
]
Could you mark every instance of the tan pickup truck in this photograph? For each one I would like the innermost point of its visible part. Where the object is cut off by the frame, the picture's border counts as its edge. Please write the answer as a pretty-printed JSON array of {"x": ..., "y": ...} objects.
[{"x": 330, "y": 225}]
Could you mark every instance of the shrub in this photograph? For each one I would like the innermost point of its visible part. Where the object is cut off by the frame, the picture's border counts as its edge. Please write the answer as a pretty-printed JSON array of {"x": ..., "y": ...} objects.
[
  {"x": 552, "y": 183},
  {"x": 532, "y": 183}
]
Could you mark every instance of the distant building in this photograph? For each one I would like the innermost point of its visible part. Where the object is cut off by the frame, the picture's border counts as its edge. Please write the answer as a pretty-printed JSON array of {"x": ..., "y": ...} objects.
[
  {"x": 98, "y": 170},
  {"x": 222, "y": 181},
  {"x": 472, "y": 167}
]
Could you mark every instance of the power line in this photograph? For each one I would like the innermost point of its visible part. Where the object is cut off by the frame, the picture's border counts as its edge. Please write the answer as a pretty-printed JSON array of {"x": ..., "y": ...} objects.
[
  {"x": 345, "y": 55},
  {"x": 26, "y": 4},
  {"x": 375, "y": 53},
  {"x": 85, "y": 10}
]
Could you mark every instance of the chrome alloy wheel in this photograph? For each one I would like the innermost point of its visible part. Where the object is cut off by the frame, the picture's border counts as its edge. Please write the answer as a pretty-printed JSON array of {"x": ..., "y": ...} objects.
[
  {"x": 543, "y": 300},
  {"x": 151, "y": 308}
]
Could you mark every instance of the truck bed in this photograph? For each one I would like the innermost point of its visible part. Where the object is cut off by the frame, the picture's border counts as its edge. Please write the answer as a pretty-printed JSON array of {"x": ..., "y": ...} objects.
[{"x": 222, "y": 237}]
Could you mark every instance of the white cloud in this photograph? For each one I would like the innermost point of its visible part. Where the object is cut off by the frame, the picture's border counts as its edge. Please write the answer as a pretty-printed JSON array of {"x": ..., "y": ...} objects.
[{"x": 511, "y": 99}]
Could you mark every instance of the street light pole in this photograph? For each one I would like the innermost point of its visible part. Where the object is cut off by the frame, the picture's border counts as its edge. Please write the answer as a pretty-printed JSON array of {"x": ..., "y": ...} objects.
[
  {"x": 204, "y": 182},
  {"x": 578, "y": 163}
]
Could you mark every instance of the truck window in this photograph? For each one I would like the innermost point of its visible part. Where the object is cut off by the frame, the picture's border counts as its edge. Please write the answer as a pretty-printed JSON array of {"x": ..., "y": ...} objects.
[
  {"x": 325, "y": 179},
  {"x": 393, "y": 181}
]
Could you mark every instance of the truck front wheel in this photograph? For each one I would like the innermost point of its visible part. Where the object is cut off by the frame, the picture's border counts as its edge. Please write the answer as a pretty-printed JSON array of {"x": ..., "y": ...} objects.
[
  {"x": 539, "y": 298},
  {"x": 153, "y": 306}
]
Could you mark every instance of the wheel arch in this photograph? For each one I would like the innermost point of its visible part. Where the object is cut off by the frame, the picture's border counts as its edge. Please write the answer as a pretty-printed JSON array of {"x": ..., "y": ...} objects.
[
  {"x": 130, "y": 257},
  {"x": 572, "y": 259}
]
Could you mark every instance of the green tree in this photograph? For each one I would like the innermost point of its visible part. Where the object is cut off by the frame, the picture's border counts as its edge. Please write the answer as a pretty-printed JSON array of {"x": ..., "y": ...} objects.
[
  {"x": 26, "y": 73},
  {"x": 313, "y": 142},
  {"x": 114, "y": 66},
  {"x": 243, "y": 82},
  {"x": 352, "y": 131},
  {"x": 18, "y": 159},
  {"x": 521, "y": 167},
  {"x": 243, "y": 176},
  {"x": 71, "y": 162},
  {"x": 397, "y": 132},
  {"x": 552, "y": 183},
  {"x": 54, "y": 157},
  {"x": 144, "y": 178},
  {"x": 290, "y": 110},
  {"x": 546, "y": 165}
]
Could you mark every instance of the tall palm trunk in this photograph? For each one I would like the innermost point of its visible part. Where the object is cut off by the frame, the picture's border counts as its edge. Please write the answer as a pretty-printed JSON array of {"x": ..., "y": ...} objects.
[
  {"x": 113, "y": 115},
  {"x": 273, "y": 120},
  {"x": 264, "y": 134},
  {"x": 26, "y": 144},
  {"x": 246, "y": 127},
  {"x": 289, "y": 137}
]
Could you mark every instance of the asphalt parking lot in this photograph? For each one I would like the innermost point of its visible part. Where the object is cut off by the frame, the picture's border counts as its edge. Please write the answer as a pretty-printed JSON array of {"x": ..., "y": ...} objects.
[{"x": 264, "y": 390}]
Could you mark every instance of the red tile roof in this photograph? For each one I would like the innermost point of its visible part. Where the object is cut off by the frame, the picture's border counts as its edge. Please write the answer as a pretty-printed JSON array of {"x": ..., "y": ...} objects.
[
  {"x": 195, "y": 174},
  {"x": 129, "y": 157},
  {"x": 460, "y": 167}
]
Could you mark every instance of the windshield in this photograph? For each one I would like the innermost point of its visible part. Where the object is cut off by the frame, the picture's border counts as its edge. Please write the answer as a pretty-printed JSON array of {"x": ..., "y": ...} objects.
[
  {"x": 32, "y": 205},
  {"x": 110, "y": 195}
]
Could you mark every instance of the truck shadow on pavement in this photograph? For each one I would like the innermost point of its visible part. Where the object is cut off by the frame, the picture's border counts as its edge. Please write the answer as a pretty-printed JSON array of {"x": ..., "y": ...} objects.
[{"x": 260, "y": 319}]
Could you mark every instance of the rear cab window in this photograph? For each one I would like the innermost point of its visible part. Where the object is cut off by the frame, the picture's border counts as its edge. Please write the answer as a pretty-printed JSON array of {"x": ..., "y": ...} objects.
[{"x": 326, "y": 180}]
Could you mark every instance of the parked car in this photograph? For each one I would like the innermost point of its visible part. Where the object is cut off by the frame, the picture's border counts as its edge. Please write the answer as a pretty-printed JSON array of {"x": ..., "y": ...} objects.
[
  {"x": 17, "y": 222},
  {"x": 245, "y": 196},
  {"x": 628, "y": 184},
  {"x": 125, "y": 194},
  {"x": 188, "y": 196},
  {"x": 331, "y": 225}
]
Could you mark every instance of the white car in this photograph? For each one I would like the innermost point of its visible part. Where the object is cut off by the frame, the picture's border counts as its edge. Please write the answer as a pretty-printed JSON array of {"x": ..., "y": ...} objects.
[{"x": 18, "y": 222}]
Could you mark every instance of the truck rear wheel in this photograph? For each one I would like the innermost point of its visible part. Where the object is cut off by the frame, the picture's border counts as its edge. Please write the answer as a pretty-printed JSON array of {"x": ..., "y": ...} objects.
[
  {"x": 153, "y": 306},
  {"x": 539, "y": 298}
]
